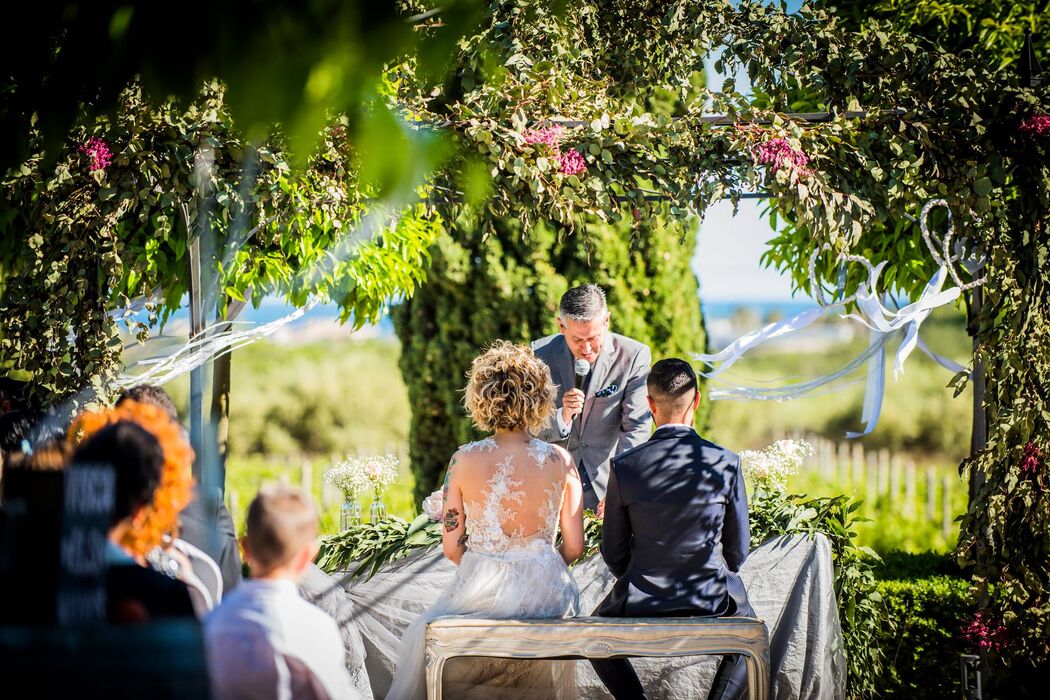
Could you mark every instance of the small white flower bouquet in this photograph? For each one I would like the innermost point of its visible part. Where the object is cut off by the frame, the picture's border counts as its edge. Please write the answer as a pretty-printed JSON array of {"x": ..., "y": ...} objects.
[
  {"x": 349, "y": 477},
  {"x": 771, "y": 467},
  {"x": 355, "y": 475}
]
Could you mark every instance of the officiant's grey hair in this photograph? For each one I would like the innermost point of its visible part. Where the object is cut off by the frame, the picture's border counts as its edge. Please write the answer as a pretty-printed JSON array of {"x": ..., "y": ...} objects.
[{"x": 583, "y": 303}]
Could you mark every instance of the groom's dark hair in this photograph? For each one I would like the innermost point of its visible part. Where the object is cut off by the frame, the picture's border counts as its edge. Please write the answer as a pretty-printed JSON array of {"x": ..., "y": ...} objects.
[{"x": 671, "y": 382}]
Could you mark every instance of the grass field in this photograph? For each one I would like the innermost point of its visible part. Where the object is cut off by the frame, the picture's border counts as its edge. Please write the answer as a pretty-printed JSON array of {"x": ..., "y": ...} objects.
[{"x": 311, "y": 404}]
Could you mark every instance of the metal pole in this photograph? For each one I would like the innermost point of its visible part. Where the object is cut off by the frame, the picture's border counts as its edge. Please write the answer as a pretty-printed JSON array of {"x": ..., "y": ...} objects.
[
  {"x": 197, "y": 327},
  {"x": 979, "y": 426}
]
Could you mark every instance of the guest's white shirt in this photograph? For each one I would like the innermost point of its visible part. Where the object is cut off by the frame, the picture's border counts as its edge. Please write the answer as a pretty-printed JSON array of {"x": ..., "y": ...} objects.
[{"x": 265, "y": 642}]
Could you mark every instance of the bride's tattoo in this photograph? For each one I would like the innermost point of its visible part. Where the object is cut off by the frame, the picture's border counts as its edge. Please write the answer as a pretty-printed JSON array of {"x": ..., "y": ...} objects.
[
  {"x": 451, "y": 519},
  {"x": 463, "y": 540},
  {"x": 448, "y": 474}
]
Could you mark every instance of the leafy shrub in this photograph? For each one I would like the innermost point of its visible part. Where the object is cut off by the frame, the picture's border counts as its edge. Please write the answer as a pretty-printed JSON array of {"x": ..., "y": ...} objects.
[
  {"x": 923, "y": 618},
  {"x": 906, "y": 566},
  {"x": 775, "y": 513}
]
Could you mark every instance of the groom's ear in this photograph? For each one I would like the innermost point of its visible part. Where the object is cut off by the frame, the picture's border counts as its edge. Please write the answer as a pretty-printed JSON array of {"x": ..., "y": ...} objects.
[{"x": 696, "y": 399}]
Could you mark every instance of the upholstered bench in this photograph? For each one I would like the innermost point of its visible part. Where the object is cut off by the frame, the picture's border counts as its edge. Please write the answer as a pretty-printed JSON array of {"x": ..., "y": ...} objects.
[{"x": 599, "y": 638}]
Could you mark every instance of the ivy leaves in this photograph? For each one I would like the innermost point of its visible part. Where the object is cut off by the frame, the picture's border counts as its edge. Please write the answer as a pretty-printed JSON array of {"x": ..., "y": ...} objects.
[{"x": 100, "y": 238}]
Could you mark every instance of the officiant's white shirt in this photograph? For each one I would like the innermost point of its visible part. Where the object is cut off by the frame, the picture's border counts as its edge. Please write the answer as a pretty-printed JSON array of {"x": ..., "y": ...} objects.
[{"x": 265, "y": 642}]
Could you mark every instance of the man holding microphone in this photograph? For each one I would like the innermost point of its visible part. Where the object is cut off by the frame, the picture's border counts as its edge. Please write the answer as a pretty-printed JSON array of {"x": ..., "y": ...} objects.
[{"x": 602, "y": 407}]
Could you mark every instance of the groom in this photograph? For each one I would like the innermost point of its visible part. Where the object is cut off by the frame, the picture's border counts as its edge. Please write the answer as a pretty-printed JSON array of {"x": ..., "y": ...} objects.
[
  {"x": 601, "y": 411},
  {"x": 675, "y": 530}
]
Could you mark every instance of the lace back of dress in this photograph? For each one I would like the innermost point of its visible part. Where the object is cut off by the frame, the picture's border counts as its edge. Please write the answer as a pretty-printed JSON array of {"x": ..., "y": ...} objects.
[{"x": 518, "y": 505}]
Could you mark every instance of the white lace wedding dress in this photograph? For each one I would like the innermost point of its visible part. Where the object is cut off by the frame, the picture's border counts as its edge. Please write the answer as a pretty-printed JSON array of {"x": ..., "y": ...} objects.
[{"x": 510, "y": 570}]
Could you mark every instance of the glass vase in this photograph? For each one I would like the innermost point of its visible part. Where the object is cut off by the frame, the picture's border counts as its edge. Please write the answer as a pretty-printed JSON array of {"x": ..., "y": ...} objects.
[
  {"x": 349, "y": 514},
  {"x": 378, "y": 510}
]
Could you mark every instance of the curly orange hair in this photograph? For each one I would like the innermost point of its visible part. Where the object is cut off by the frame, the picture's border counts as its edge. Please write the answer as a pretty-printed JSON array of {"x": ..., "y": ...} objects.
[{"x": 176, "y": 481}]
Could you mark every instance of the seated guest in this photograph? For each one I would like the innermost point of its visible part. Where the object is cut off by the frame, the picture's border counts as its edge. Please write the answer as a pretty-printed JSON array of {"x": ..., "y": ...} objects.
[
  {"x": 205, "y": 524},
  {"x": 30, "y": 525},
  {"x": 134, "y": 593},
  {"x": 264, "y": 640},
  {"x": 675, "y": 530}
]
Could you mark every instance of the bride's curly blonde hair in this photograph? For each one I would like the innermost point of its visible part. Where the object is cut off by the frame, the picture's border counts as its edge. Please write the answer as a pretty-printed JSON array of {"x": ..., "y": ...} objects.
[{"x": 509, "y": 388}]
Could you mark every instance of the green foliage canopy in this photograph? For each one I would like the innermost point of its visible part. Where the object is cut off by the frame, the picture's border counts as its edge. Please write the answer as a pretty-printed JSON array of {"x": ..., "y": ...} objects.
[{"x": 83, "y": 240}]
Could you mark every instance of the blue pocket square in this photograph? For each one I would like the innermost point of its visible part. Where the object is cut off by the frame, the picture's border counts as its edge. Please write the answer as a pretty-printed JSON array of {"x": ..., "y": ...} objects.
[{"x": 607, "y": 391}]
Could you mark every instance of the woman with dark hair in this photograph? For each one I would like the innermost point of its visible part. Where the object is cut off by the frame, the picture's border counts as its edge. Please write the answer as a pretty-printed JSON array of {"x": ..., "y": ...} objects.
[{"x": 134, "y": 593}]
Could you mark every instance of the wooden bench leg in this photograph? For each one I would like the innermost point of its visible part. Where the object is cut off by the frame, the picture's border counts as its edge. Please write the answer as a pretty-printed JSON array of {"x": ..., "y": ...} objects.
[{"x": 435, "y": 667}]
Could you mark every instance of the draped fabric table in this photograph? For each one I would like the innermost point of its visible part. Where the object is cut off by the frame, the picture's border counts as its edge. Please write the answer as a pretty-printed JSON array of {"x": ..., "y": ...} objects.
[{"x": 789, "y": 581}]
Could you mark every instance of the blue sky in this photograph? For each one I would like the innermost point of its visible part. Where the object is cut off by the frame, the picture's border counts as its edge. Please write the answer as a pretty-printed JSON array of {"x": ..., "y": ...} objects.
[{"x": 729, "y": 247}]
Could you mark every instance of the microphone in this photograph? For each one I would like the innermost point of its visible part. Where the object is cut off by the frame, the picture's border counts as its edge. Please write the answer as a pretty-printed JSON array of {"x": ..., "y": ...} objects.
[{"x": 583, "y": 368}]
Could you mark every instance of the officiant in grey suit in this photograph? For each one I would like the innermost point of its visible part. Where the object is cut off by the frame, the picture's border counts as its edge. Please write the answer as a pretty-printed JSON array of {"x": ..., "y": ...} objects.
[{"x": 602, "y": 407}]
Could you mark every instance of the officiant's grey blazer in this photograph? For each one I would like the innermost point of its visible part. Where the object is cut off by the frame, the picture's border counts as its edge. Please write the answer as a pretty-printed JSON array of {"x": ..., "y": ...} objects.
[
  {"x": 676, "y": 529},
  {"x": 615, "y": 413}
]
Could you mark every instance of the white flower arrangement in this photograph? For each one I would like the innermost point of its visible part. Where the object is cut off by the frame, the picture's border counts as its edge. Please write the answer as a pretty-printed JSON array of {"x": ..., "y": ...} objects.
[
  {"x": 354, "y": 475},
  {"x": 380, "y": 471},
  {"x": 771, "y": 467},
  {"x": 349, "y": 477}
]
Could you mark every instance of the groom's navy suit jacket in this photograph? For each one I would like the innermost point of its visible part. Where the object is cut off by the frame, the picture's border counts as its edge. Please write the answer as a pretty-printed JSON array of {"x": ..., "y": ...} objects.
[{"x": 675, "y": 530}]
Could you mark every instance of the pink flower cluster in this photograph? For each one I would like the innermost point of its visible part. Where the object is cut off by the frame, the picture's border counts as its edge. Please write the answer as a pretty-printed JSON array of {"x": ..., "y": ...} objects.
[
  {"x": 1036, "y": 125},
  {"x": 779, "y": 153},
  {"x": 549, "y": 136},
  {"x": 984, "y": 634},
  {"x": 1033, "y": 457},
  {"x": 570, "y": 162},
  {"x": 98, "y": 151}
]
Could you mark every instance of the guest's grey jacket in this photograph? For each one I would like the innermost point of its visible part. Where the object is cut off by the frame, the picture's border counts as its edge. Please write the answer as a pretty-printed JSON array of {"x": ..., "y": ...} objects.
[
  {"x": 675, "y": 530},
  {"x": 615, "y": 413}
]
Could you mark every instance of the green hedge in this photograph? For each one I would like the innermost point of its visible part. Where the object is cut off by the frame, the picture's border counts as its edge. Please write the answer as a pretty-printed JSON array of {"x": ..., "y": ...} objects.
[{"x": 922, "y": 641}]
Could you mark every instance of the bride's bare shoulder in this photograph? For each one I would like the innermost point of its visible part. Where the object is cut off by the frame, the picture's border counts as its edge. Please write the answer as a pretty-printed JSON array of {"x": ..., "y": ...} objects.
[
  {"x": 473, "y": 453},
  {"x": 561, "y": 456}
]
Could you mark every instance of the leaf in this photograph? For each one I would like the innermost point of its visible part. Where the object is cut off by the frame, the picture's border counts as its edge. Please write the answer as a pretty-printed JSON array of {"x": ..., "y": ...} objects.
[{"x": 418, "y": 524}]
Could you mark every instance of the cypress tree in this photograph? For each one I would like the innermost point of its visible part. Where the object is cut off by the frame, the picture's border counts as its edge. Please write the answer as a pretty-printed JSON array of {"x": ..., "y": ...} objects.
[{"x": 507, "y": 286}]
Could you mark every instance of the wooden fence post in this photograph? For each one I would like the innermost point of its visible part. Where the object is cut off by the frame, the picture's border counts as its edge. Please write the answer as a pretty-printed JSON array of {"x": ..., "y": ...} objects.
[
  {"x": 871, "y": 482},
  {"x": 884, "y": 472},
  {"x": 909, "y": 489},
  {"x": 931, "y": 495},
  {"x": 895, "y": 478},
  {"x": 946, "y": 505},
  {"x": 858, "y": 463},
  {"x": 843, "y": 463}
]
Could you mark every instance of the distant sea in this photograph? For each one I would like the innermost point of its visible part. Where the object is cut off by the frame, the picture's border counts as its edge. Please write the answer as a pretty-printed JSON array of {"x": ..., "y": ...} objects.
[
  {"x": 715, "y": 310},
  {"x": 273, "y": 309}
]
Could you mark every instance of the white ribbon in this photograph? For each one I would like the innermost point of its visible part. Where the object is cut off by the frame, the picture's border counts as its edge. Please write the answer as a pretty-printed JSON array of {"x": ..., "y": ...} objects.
[
  {"x": 880, "y": 319},
  {"x": 204, "y": 347},
  {"x": 883, "y": 325},
  {"x": 739, "y": 347}
]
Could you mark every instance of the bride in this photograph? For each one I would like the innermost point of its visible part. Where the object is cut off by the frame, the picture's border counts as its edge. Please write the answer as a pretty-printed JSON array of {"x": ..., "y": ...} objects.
[{"x": 504, "y": 499}]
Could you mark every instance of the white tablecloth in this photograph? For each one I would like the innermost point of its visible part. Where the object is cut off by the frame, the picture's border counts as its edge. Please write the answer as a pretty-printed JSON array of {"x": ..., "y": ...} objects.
[{"x": 789, "y": 581}]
